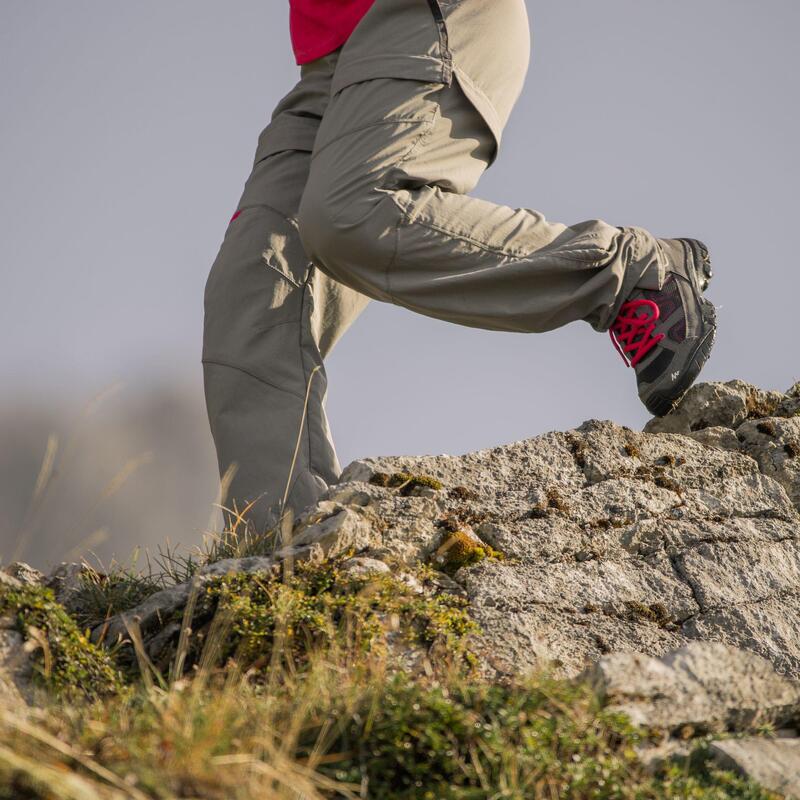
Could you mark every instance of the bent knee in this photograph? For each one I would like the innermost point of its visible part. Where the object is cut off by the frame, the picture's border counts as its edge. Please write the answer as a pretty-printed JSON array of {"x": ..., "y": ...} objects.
[{"x": 351, "y": 239}]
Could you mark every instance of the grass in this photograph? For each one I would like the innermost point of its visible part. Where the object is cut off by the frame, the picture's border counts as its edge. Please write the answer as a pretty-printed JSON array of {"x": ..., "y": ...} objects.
[{"x": 291, "y": 689}]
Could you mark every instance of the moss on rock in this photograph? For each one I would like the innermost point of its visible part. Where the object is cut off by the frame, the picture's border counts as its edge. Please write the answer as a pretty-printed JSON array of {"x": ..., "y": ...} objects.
[
  {"x": 406, "y": 482},
  {"x": 321, "y": 606},
  {"x": 460, "y": 549},
  {"x": 67, "y": 662}
]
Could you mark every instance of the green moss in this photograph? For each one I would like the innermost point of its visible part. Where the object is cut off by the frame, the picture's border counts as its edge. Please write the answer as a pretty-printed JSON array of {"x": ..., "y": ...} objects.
[
  {"x": 68, "y": 663},
  {"x": 459, "y": 549},
  {"x": 405, "y": 482},
  {"x": 320, "y": 606},
  {"x": 410, "y": 740}
]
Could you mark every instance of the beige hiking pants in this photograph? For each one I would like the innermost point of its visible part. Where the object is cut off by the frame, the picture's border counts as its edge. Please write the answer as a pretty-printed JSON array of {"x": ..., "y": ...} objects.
[{"x": 359, "y": 190}]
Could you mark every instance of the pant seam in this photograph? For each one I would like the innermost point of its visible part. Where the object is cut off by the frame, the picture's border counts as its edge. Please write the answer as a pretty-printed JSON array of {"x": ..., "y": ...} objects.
[
  {"x": 515, "y": 256},
  {"x": 227, "y": 365},
  {"x": 305, "y": 418}
]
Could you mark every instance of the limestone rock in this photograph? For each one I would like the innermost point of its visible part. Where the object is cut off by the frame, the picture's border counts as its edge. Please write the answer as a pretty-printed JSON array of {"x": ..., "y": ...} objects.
[
  {"x": 702, "y": 687},
  {"x": 773, "y": 763},
  {"x": 24, "y": 573},
  {"x": 65, "y": 581},
  {"x": 16, "y": 671},
  {"x": 708, "y": 405},
  {"x": 775, "y": 445},
  {"x": 718, "y": 436}
]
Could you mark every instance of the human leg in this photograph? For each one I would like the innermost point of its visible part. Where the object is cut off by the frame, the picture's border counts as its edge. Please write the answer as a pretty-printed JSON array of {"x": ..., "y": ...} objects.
[
  {"x": 386, "y": 212},
  {"x": 271, "y": 319}
]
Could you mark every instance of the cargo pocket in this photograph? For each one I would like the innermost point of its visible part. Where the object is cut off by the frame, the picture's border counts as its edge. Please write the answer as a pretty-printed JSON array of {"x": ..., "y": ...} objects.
[
  {"x": 284, "y": 253},
  {"x": 254, "y": 298}
]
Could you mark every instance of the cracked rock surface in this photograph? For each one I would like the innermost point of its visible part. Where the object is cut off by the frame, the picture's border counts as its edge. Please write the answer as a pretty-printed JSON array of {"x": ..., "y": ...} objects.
[{"x": 597, "y": 540}]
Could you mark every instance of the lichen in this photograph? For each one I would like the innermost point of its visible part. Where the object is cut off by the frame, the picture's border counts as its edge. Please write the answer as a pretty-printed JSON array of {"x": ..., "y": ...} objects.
[
  {"x": 578, "y": 449},
  {"x": 556, "y": 501},
  {"x": 792, "y": 449},
  {"x": 759, "y": 407},
  {"x": 67, "y": 663}
]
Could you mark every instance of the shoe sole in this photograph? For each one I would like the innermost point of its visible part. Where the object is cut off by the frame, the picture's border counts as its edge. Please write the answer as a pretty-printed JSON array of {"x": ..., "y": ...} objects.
[{"x": 660, "y": 404}]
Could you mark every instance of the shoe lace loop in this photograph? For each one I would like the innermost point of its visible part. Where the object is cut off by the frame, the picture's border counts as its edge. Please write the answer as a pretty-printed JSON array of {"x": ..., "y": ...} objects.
[{"x": 632, "y": 331}]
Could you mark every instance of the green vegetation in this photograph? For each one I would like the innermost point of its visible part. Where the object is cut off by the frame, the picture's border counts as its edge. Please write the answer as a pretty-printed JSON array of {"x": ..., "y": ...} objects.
[
  {"x": 459, "y": 549},
  {"x": 67, "y": 663},
  {"x": 406, "y": 482},
  {"x": 319, "y": 607},
  {"x": 291, "y": 687}
]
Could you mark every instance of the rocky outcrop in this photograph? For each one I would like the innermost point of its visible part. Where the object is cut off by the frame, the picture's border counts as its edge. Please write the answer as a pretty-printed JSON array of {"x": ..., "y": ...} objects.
[{"x": 597, "y": 540}]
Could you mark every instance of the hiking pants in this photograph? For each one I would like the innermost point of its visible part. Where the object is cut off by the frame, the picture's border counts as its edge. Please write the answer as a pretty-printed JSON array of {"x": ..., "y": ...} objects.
[{"x": 360, "y": 190}]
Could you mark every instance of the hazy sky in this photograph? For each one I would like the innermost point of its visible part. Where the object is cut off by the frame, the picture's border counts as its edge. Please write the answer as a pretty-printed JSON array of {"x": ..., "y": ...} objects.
[{"x": 128, "y": 129}]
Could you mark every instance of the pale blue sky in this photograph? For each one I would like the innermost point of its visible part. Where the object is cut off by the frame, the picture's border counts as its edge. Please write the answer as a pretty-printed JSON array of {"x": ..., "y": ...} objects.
[{"x": 127, "y": 130}]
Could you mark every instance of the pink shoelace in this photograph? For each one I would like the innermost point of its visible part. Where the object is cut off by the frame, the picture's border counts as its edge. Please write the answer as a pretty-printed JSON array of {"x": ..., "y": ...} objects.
[{"x": 632, "y": 332}]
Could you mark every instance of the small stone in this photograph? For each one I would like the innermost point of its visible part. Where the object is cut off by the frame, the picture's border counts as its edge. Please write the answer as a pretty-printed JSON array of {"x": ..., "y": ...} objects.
[
  {"x": 24, "y": 573},
  {"x": 772, "y": 763},
  {"x": 717, "y": 437},
  {"x": 361, "y": 566}
]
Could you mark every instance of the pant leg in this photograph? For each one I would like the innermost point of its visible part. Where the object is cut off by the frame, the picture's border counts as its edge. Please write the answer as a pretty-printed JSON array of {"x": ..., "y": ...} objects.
[
  {"x": 386, "y": 209},
  {"x": 270, "y": 319}
]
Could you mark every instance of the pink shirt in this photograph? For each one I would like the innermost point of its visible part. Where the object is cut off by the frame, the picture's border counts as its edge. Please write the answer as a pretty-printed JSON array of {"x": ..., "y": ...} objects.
[{"x": 318, "y": 27}]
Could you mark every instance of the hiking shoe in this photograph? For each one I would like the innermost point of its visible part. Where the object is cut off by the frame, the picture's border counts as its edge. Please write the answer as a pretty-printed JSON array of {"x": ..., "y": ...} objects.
[{"x": 667, "y": 334}]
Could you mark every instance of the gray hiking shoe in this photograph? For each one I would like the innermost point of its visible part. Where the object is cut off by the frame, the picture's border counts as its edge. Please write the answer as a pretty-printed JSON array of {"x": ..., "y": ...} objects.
[{"x": 667, "y": 334}]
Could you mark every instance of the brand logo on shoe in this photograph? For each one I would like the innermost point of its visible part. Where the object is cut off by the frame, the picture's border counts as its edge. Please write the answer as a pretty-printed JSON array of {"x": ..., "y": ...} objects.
[{"x": 675, "y": 375}]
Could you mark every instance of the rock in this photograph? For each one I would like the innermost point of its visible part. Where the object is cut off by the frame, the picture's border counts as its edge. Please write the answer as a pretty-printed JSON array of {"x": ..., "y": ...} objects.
[
  {"x": 774, "y": 443},
  {"x": 337, "y": 530},
  {"x": 24, "y": 573},
  {"x": 359, "y": 567},
  {"x": 708, "y": 405},
  {"x": 773, "y": 763},
  {"x": 65, "y": 581},
  {"x": 9, "y": 580},
  {"x": 701, "y": 687},
  {"x": 16, "y": 670},
  {"x": 718, "y": 437},
  {"x": 609, "y": 540}
]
